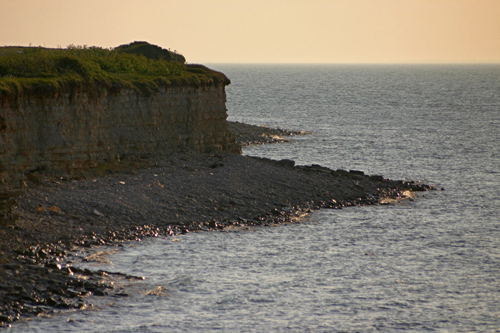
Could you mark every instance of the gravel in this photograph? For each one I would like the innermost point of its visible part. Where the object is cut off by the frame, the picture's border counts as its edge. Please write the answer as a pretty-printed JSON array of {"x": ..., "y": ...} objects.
[{"x": 184, "y": 192}]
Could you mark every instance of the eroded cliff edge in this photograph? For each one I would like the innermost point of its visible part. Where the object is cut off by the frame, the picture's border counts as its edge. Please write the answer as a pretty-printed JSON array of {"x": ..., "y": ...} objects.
[
  {"x": 49, "y": 137},
  {"x": 83, "y": 127}
]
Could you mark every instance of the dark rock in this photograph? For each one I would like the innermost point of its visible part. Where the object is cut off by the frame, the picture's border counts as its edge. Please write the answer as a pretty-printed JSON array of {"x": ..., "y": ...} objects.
[
  {"x": 287, "y": 163},
  {"x": 342, "y": 172},
  {"x": 121, "y": 294},
  {"x": 246, "y": 192},
  {"x": 100, "y": 292}
]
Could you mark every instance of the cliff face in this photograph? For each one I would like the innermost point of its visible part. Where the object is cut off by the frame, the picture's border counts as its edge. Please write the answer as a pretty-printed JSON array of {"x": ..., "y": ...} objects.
[{"x": 85, "y": 127}]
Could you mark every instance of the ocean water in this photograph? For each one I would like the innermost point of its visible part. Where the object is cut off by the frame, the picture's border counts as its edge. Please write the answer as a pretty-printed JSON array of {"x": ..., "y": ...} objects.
[{"x": 432, "y": 264}]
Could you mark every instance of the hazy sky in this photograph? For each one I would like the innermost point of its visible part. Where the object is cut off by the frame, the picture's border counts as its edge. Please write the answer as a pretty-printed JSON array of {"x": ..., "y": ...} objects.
[{"x": 273, "y": 31}]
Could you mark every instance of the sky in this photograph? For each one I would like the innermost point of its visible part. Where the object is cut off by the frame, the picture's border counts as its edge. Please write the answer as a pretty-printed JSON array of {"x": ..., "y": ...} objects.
[{"x": 267, "y": 31}]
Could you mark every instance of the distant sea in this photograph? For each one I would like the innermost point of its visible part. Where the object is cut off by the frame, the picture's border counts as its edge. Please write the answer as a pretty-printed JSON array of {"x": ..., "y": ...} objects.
[{"x": 432, "y": 264}]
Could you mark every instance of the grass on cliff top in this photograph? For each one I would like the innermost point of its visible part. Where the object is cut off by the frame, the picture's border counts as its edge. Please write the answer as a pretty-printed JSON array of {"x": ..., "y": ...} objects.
[{"x": 139, "y": 65}]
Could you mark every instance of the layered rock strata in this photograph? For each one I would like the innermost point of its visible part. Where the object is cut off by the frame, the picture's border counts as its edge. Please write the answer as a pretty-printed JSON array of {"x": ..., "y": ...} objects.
[{"x": 84, "y": 127}]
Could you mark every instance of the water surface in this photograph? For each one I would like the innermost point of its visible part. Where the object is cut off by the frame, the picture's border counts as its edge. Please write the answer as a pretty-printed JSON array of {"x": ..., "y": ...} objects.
[{"x": 427, "y": 265}]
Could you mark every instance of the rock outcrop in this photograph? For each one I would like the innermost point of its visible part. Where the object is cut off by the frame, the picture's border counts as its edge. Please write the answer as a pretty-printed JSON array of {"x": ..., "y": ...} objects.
[{"x": 84, "y": 127}]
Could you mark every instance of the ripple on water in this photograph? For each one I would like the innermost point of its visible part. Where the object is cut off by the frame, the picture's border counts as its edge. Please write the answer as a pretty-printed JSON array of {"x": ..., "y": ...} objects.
[{"x": 429, "y": 265}]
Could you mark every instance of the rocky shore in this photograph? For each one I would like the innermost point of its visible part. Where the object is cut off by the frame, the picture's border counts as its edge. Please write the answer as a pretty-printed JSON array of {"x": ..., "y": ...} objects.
[{"x": 183, "y": 192}]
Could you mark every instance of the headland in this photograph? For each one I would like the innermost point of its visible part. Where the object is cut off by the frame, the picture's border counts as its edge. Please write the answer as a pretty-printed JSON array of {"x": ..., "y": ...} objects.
[{"x": 106, "y": 160}]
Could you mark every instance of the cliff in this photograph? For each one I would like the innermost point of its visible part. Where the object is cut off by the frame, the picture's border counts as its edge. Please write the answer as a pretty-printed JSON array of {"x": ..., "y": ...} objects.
[{"x": 83, "y": 126}]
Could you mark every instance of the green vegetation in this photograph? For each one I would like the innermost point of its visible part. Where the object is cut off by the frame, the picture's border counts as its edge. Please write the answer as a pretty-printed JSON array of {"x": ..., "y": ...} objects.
[
  {"x": 139, "y": 65},
  {"x": 150, "y": 51}
]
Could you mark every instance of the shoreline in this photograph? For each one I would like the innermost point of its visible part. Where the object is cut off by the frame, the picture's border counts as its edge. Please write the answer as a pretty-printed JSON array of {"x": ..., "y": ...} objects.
[{"x": 185, "y": 192}]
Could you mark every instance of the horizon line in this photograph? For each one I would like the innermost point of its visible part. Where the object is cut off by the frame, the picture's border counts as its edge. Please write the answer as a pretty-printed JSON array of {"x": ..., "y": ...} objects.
[{"x": 347, "y": 63}]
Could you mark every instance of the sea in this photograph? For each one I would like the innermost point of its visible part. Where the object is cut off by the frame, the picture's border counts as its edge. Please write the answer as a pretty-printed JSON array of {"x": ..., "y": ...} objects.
[{"x": 427, "y": 265}]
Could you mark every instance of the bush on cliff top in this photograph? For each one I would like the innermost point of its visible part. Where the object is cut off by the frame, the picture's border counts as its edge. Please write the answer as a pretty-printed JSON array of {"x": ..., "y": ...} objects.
[
  {"x": 151, "y": 51},
  {"x": 139, "y": 65}
]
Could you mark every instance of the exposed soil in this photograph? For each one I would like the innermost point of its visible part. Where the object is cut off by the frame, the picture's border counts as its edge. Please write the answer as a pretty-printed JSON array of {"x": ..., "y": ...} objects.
[{"x": 183, "y": 193}]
